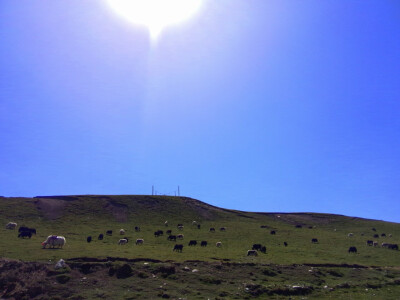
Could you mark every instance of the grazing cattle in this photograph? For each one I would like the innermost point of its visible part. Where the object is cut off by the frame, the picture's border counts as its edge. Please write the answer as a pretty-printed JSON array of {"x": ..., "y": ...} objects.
[
  {"x": 180, "y": 236},
  {"x": 100, "y": 237},
  {"x": 353, "y": 250},
  {"x": 121, "y": 231},
  {"x": 383, "y": 234},
  {"x": 139, "y": 241},
  {"x": 169, "y": 231},
  {"x": 263, "y": 226},
  {"x": 218, "y": 244},
  {"x": 252, "y": 253},
  {"x": 89, "y": 239},
  {"x": 178, "y": 248},
  {"x": 222, "y": 229},
  {"x": 123, "y": 241},
  {"x": 263, "y": 249},
  {"x": 192, "y": 243},
  {"x": 299, "y": 226},
  {"x": 376, "y": 236},
  {"x": 203, "y": 244},
  {"x": 198, "y": 226},
  {"x": 350, "y": 234},
  {"x": 256, "y": 247},
  {"x": 137, "y": 228},
  {"x": 54, "y": 241},
  {"x": 24, "y": 234},
  {"x": 23, "y": 228},
  {"x": 370, "y": 243},
  {"x": 212, "y": 229},
  {"x": 171, "y": 238},
  {"x": 314, "y": 241},
  {"x": 385, "y": 245},
  {"x": 373, "y": 229},
  {"x": 180, "y": 227},
  {"x": 375, "y": 243},
  {"x": 393, "y": 247},
  {"x": 285, "y": 244},
  {"x": 273, "y": 232},
  {"x": 109, "y": 232},
  {"x": 11, "y": 225}
]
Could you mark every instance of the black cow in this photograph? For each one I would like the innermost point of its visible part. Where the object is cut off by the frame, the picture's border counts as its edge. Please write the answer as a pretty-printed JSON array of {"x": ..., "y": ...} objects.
[
  {"x": 109, "y": 232},
  {"x": 352, "y": 249},
  {"x": 27, "y": 229},
  {"x": 376, "y": 236},
  {"x": 203, "y": 244},
  {"x": 273, "y": 232},
  {"x": 101, "y": 236},
  {"x": 89, "y": 239},
  {"x": 137, "y": 228},
  {"x": 212, "y": 229},
  {"x": 285, "y": 244},
  {"x": 256, "y": 247},
  {"x": 178, "y": 248},
  {"x": 373, "y": 229},
  {"x": 263, "y": 249},
  {"x": 299, "y": 226},
  {"x": 383, "y": 234},
  {"x": 198, "y": 226},
  {"x": 24, "y": 234},
  {"x": 370, "y": 243},
  {"x": 158, "y": 233},
  {"x": 169, "y": 231},
  {"x": 179, "y": 225},
  {"x": 393, "y": 246},
  {"x": 171, "y": 238},
  {"x": 193, "y": 243},
  {"x": 314, "y": 241}
]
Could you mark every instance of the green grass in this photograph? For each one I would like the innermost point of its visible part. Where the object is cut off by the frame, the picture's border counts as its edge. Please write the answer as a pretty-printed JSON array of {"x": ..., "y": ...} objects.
[{"x": 81, "y": 216}]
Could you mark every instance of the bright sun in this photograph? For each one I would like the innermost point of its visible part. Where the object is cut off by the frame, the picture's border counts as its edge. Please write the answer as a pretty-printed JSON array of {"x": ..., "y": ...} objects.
[{"x": 155, "y": 14}]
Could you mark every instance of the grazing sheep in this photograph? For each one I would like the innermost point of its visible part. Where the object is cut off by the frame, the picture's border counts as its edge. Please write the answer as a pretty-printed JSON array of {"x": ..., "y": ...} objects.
[
  {"x": 109, "y": 232},
  {"x": 285, "y": 244},
  {"x": 192, "y": 243},
  {"x": 252, "y": 253},
  {"x": 314, "y": 241},
  {"x": 137, "y": 228},
  {"x": 376, "y": 236},
  {"x": 375, "y": 243},
  {"x": 218, "y": 244},
  {"x": 139, "y": 241},
  {"x": 256, "y": 247},
  {"x": 89, "y": 239},
  {"x": 121, "y": 231},
  {"x": 178, "y": 248},
  {"x": 352, "y": 249},
  {"x": 171, "y": 238},
  {"x": 222, "y": 229},
  {"x": 203, "y": 244},
  {"x": 390, "y": 235},
  {"x": 350, "y": 234},
  {"x": 24, "y": 234},
  {"x": 393, "y": 246},
  {"x": 383, "y": 234},
  {"x": 123, "y": 241},
  {"x": 263, "y": 249},
  {"x": 273, "y": 232},
  {"x": 180, "y": 236},
  {"x": 370, "y": 243},
  {"x": 198, "y": 226},
  {"x": 169, "y": 231},
  {"x": 166, "y": 223},
  {"x": 11, "y": 225},
  {"x": 100, "y": 237},
  {"x": 158, "y": 233},
  {"x": 23, "y": 228},
  {"x": 53, "y": 241},
  {"x": 212, "y": 229},
  {"x": 180, "y": 227},
  {"x": 299, "y": 226},
  {"x": 373, "y": 229},
  {"x": 194, "y": 223}
]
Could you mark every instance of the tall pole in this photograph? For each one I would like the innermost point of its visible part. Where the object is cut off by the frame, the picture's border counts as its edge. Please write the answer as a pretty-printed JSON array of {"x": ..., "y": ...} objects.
[{"x": 179, "y": 192}]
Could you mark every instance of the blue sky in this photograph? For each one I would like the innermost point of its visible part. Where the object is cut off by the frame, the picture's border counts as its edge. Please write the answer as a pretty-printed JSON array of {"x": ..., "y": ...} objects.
[{"x": 289, "y": 106}]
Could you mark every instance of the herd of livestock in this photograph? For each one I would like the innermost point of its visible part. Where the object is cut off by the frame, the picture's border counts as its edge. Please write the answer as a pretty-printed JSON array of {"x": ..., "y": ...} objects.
[{"x": 59, "y": 241}]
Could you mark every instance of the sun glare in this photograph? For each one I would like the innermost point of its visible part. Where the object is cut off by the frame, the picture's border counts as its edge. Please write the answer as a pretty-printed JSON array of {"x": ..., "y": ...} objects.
[{"x": 155, "y": 14}]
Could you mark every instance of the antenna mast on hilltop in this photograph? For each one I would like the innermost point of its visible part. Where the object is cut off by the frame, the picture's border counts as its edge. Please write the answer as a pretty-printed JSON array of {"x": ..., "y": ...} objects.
[
  {"x": 152, "y": 190},
  {"x": 179, "y": 193}
]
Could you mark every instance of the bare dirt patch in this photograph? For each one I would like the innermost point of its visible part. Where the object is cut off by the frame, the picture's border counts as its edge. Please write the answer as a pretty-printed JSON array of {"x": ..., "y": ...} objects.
[
  {"x": 119, "y": 211},
  {"x": 51, "y": 208}
]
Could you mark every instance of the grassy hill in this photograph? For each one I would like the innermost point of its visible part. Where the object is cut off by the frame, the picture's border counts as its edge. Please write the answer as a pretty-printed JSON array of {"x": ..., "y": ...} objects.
[{"x": 77, "y": 217}]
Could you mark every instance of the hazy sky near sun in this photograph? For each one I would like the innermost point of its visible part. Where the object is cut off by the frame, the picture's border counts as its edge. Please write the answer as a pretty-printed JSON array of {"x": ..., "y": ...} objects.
[{"x": 254, "y": 105}]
